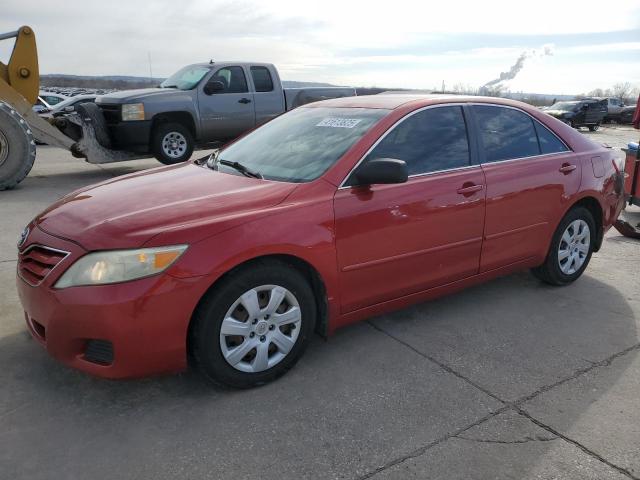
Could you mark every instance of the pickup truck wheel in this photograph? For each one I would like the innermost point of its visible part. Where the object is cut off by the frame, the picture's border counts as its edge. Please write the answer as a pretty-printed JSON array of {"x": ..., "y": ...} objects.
[
  {"x": 172, "y": 143},
  {"x": 17, "y": 147},
  {"x": 594, "y": 128}
]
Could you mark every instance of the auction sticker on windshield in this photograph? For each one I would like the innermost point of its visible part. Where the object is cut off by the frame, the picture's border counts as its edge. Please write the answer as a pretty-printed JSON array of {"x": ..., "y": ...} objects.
[{"x": 338, "y": 122}]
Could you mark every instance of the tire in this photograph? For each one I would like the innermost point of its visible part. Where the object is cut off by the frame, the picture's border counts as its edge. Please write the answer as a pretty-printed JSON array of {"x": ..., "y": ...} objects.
[
  {"x": 213, "y": 351},
  {"x": 172, "y": 143},
  {"x": 91, "y": 113},
  {"x": 594, "y": 128},
  {"x": 554, "y": 270},
  {"x": 17, "y": 148}
]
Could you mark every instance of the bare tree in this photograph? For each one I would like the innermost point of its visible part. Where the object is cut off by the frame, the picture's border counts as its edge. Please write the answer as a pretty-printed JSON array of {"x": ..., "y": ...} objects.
[{"x": 622, "y": 90}]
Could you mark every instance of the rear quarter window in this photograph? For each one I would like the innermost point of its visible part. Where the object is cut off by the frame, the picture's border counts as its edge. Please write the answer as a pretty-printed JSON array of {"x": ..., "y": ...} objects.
[{"x": 549, "y": 143}]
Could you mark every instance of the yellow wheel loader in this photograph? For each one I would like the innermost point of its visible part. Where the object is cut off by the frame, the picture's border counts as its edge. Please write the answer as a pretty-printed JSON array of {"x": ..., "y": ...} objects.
[{"x": 20, "y": 126}]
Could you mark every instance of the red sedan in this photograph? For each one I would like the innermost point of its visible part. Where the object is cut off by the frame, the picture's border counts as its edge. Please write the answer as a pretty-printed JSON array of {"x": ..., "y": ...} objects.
[{"x": 331, "y": 213}]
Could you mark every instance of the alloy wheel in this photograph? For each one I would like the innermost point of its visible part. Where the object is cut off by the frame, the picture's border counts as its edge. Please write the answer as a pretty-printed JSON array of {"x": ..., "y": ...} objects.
[
  {"x": 574, "y": 247},
  {"x": 260, "y": 328}
]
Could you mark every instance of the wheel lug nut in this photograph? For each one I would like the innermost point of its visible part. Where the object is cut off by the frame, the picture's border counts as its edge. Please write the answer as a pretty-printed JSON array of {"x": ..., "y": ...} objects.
[
  {"x": 271, "y": 327},
  {"x": 251, "y": 335},
  {"x": 255, "y": 320},
  {"x": 263, "y": 338},
  {"x": 266, "y": 317}
]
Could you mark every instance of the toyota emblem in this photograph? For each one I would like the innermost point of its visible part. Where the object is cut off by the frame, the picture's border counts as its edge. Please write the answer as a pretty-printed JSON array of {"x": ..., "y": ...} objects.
[{"x": 23, "y": 237}]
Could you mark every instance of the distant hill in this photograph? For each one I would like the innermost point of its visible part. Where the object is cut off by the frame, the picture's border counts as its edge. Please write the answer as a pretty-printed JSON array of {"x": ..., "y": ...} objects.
[
  {"x": 126, "y": 82},
  {"x": 118, "y": 82},
  {"x": 123, "y": 82}
]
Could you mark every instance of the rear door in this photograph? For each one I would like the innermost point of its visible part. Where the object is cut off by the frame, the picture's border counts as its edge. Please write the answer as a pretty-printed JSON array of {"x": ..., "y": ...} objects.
[
  {"x": 268, "y": 100},
  {"x": 394, "y": 240},
  {"x": 530, "y": 176},
  {"x": 227, "y": 113}
]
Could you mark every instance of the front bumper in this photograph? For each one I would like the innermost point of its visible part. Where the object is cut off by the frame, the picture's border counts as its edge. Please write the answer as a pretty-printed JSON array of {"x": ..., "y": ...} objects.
[{"x": 144, "y": 321}]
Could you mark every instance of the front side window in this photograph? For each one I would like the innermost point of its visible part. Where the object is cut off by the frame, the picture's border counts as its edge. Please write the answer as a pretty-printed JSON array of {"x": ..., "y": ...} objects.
[
  {"x": 428, "y": 141},
  {"x": 232, "y": 78},
  {"x": 505, "y": 133},
  {"x": 302, "y": 144},
  {"x": 262, "y": 79}
]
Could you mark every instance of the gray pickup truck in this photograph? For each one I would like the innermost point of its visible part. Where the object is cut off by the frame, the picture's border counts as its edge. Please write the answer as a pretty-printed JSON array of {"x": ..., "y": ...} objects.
[{"x": 203, "y": 103}]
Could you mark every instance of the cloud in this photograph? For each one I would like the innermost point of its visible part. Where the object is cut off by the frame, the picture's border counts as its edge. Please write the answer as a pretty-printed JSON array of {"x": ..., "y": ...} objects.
[{"x": 410, "y": 44}]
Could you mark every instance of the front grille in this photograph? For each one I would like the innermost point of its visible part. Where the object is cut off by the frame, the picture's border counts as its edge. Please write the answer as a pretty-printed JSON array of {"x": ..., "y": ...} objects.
[
  {"x": 99, "y": 351},
  {"x": 111, "y": 113},
  {"x": 37, "y": 261}
]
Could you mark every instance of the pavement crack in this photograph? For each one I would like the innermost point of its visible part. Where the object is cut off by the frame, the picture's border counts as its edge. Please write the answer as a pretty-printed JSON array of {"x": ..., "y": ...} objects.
[
  {"x": 442, "y": 365},
  {"x": 578, "y": 373},
  {"x": 422, "y": 450},
  {"x": 586, "y": 450},
  {"x": 537, "y": 438}
]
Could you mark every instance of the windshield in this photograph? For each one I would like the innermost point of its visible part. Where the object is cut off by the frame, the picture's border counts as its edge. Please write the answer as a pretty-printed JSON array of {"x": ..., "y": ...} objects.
[
  {"x": 186, "y": 78},
  {"x": 564, "y": 106},
  {"x": 302, "y": 144}
]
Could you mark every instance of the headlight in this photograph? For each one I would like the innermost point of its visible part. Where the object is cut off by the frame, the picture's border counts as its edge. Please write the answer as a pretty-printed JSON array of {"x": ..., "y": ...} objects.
[
  {"x": 119, "y": 266},
  {"x": 133, "y": 111}
]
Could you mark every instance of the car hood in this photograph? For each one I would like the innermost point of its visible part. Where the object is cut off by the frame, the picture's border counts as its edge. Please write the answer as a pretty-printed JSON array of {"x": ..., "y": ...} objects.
[
  {"x": 128, "y": 211},
  {"x": 139, "y": 94}
]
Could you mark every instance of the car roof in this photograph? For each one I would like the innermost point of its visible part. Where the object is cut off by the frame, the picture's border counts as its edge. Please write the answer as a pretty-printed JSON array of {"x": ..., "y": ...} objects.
[{"x": 392, "y": 101}]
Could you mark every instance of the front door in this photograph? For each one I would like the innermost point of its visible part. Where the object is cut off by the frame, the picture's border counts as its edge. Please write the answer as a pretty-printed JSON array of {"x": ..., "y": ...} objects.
[
  {"x": 227, "y": 113},
  {"x": 530, "y": 176},
  {"x": 394, "y": 240}
]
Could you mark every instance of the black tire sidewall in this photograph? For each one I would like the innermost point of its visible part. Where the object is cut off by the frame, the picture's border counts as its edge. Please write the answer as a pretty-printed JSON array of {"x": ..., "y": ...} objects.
[
  {"x": 553, "y": 266},
  {"x": 21, "y": 146},
  {"x": 210, "y": 313},
  {"x": 156, "y": 142}
]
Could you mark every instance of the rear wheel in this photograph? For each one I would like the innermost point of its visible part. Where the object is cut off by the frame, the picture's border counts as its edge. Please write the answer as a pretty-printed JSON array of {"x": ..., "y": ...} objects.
[
  {"x": 172, "y": 143},
  {"x": 594, "y": 128},
  {"x": 17, "y": 147},
  {"x": 570, "y": 250},
  {"x": 254, "y": 326}
]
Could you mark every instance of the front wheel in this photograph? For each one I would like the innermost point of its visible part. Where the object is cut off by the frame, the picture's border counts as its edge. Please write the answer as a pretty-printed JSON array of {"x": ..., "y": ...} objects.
[
  {"x": 594, "y": 128},
  {"x": 254, "y": 326},
  {"x": 172, "y": 143},
  {"x": 570, "y": 250}
]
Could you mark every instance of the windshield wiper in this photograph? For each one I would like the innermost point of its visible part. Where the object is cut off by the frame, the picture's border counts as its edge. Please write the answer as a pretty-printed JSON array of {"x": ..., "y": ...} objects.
[
  {"x": 168, "y": 86},
  {"x": 241, "y": 168}
]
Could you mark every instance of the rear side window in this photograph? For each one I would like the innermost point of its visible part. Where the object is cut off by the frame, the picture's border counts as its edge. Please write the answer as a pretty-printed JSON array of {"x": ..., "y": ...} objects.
[
  {"x": 505, "y": 133},
  {"x": 262, "y": 79},
  {"x": 431, "y": 140},
  {"x": 549, "y": 143}
]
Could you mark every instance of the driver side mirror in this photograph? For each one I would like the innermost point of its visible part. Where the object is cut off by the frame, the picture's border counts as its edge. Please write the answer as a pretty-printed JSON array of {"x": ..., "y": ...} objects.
[
  {"x": 213, "y": 86},
  {"x": 380, "y": 171}
]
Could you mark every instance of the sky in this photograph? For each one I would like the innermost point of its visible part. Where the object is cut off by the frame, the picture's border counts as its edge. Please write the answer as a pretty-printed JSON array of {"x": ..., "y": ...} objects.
[{"x": 399, "y": 44}]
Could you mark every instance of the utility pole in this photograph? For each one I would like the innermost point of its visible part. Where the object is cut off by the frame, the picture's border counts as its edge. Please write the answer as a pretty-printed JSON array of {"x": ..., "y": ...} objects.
[
  {"x": 442, "y": 86},
  {"x": 150, "y": 69}
]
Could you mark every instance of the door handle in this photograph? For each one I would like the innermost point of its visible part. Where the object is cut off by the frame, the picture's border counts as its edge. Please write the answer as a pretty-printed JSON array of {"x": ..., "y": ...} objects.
[
  {"x": 567, "y": 168},
  {"x": 244, "y": 100},
  {"x": 469, "y": 189}
]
